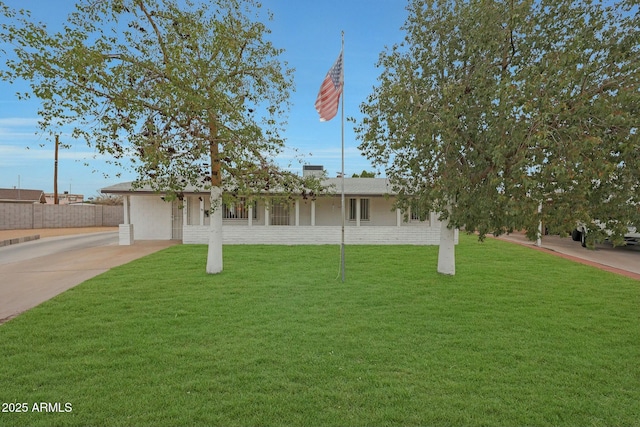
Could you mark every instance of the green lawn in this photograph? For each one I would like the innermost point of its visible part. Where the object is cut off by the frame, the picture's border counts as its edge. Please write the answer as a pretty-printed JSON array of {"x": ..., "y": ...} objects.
[{"x": 517, "y": 337}]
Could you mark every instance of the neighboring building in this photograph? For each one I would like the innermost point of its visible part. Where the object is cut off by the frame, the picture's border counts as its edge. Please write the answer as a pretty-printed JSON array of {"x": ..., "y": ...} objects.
[
  {"x": 370, "y": 217},
  {"x": 65, "y": 198},
  {"x": 19, "y": 195}
]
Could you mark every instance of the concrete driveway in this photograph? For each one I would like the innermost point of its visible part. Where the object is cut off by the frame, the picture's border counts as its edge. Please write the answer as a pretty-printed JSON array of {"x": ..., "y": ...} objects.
[
  {"x": 623, "y": 260},
  {"x": 35, "y": 271}
]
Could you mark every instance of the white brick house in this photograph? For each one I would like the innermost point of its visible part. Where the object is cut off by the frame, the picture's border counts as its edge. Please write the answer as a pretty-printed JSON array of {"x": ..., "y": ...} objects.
[{"x": 370, "y": 218}]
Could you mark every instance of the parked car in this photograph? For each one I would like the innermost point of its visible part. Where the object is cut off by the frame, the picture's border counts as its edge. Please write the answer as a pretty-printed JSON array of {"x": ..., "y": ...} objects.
[{"x": 632, "y": 237}]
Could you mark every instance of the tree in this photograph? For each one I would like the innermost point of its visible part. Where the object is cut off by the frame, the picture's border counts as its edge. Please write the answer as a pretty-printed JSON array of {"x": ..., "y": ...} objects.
[
  {"x": 364, "y": 174},
  {"x": 107, "y": 200},
  {"x": 184, "y": 89},
  {"x": 492, "y": 108}
]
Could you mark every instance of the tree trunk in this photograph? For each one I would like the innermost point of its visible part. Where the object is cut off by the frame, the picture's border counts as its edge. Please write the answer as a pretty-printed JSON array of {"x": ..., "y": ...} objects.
[
  {"x": 447, "y": 250},
  {"x": 214, "y": 254}
]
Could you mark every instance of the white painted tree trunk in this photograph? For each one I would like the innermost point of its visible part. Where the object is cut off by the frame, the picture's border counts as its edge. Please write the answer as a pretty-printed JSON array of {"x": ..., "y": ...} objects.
[
  {"x": 447, "y": 250},
  {"x": 214, "y": 254}
]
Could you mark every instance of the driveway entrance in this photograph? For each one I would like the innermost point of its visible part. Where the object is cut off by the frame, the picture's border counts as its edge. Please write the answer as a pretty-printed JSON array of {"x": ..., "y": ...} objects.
[
  {"x": 36, "y": 271},
  {"x": 623, "y": 260}
]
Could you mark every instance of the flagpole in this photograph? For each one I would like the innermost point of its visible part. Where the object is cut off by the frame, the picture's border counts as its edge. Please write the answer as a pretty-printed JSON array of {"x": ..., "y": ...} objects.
[
  {"x": 342, "y": 199},
  {"x": 327, "y": 104}
]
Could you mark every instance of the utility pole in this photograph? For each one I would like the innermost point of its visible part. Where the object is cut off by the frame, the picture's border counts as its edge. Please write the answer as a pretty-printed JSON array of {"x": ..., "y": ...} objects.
[{"x": 55, "y": 175}]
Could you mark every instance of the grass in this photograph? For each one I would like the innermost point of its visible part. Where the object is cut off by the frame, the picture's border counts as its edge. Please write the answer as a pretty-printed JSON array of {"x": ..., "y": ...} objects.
[{"x": 517, "y": 337}]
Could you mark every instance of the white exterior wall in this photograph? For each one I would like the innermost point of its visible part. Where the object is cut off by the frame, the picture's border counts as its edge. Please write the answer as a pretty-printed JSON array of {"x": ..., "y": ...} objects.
[
  {"x": 193, "y": 209},
  {"x": 260, "y": 214},
  {"x": 381, "y": 212},
  {"x": 151, "y": 218},
  {"x": 328, "y": 211},
  {"x": 305, "y": 212}
]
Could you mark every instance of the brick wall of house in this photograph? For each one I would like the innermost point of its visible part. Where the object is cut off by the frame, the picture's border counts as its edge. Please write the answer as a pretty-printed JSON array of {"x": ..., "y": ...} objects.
[
  {"x": 25, "y": 216},
  {"x": 318, "y": 235}
]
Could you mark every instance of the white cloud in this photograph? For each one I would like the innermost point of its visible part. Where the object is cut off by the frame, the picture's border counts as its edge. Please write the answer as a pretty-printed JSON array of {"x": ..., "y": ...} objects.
[
  {"x": 19, "y": 122},
  {"x": 15, "y": 154}
]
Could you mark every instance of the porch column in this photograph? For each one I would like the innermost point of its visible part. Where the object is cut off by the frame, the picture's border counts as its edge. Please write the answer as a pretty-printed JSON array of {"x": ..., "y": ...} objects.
[
  {"x": 358, "y": 212},
  {"x": 267, "y": 219},
  {"x": 398, "y": 217},
  {"x": 539, "y": 233},
  {"x": 127, "y": 218},
  {"x": 250, "y": 214},
  {"x": 297, "y": 212},
  {"x": 185, "y": 212},
  {"x": 313, "y": 213},
  {"x": 201, "y": 210},
  {"x": 125, "y": 231}
]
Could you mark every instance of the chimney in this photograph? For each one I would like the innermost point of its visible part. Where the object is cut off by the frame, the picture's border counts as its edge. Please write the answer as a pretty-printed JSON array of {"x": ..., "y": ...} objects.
[{"x": 309, "y": 170}]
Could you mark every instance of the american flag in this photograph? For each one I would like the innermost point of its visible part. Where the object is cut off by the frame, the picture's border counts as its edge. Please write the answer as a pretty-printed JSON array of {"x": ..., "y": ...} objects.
[{"x": 330, "y": 90}]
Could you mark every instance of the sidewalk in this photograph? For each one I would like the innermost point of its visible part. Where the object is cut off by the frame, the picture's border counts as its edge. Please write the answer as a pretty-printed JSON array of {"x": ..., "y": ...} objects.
[{"x": 624, "y": 260}]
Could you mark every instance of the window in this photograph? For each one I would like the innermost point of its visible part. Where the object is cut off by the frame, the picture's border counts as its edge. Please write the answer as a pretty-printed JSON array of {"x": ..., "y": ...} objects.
[
  {"x": 279, "y": 214},
  {"x": 238, "y": 210},
  {"x": 417, "y": 212},
  {"x": 364, "y": 209}
]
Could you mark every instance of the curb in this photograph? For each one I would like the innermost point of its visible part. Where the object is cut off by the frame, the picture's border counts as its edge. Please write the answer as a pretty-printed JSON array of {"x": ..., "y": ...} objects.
[{"x": 9, "y": 242}]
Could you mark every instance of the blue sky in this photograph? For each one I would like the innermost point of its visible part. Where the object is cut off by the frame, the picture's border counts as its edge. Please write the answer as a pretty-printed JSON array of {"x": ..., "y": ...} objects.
[{"x": 309, "y": 31}]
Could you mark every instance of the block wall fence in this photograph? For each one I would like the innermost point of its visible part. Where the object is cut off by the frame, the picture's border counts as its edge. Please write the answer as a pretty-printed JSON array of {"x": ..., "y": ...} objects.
[{"x": 15, "y": 216}]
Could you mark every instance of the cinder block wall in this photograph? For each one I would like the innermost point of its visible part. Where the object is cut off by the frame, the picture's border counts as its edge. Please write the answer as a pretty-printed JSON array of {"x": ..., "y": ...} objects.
[
  {"x": 14, "y": 216},
  {"x": 112, "y": 216},
  {"x": 20, "y": 216}
]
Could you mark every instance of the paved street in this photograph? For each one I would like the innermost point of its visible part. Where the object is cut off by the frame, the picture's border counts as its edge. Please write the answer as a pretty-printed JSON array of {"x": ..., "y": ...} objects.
[{"x": 36, "y": 271}]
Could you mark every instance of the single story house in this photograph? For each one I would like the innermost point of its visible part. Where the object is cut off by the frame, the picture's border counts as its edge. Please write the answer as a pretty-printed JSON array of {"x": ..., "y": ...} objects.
[
  {"x": 18, "y": 195},
  {"x": 369, "y": 217},
  {"x": 65, "y": 198}
]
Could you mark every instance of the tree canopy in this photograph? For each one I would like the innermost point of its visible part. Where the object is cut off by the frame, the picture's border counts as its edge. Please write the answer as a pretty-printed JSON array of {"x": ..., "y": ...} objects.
[
  {"x": 193, "y": 93},
  {"x": 490, "y": 109},
  {"x": 189, "y": 91},
  {"x": 364, "y": 174}
]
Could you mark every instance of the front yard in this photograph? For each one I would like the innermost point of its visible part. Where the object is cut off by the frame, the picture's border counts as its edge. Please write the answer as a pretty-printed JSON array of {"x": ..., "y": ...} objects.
[{"x": 517, "y": 337}]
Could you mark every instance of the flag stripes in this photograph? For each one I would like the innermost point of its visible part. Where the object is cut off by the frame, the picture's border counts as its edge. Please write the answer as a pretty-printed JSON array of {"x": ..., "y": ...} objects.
[{"x": 329, "y": 95}]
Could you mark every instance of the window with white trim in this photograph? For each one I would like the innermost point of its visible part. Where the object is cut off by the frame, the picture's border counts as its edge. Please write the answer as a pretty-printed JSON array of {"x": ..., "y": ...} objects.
[
  {"x": 279, "y": 214},
  {"x": 418, "y": 213},
  {"x": 238, "y": 210},
  {"x": 364, "y": 209}
]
